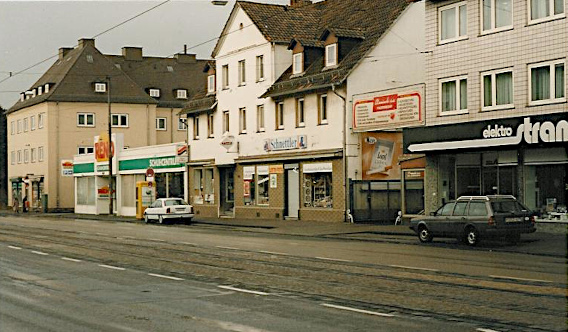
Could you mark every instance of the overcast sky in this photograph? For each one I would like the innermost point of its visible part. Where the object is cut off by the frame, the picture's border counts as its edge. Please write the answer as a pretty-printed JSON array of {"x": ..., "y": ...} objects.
[{"x": 32, "y": 31}]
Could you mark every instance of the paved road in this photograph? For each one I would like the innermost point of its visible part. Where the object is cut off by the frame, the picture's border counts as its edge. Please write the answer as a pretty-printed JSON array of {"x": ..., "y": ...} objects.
[{"x": 298, "y": 282}]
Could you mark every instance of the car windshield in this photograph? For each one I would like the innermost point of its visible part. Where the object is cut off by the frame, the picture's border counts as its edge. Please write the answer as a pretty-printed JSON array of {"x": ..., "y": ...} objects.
[
  {"x": 509, "y": 206},
  {"x": 173, "y": 202}
]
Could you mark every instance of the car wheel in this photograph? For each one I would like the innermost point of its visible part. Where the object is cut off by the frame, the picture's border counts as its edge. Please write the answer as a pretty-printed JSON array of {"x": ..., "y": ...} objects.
[
  {"x": 513, "y": 238},
  {"x": 471, "y": 236},
  {"x": 424, "y": 234},
  {"x": 160, "y": 219},
  {"x": 146, "y": 220},
  {"x": 188, "y": 220}
]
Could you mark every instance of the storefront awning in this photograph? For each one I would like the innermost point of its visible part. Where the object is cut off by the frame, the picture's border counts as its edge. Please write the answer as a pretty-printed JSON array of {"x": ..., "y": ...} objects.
[{"x": 331, "y": 153}]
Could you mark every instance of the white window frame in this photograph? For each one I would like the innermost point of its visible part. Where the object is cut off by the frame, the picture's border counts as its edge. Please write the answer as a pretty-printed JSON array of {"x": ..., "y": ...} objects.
[
  {"x": 181, "y": 123},
  {"x": 40, "y": 153},
  {"x": 118, "y": 118},
  {"x": 493, "y": 74},
  {"x": 242, "y": 120},
  {"x": 85, "y": 116},
  {"x": 26, "y": 156},
  {"x": 297, "y": 63},
  {"x": 456, "y": 79},
  {"x": 551, "y": 65},
  {"x": 456, "y": 6},
  {"x": 33, "y": 155},
  {"x": 225, "y": 76},
  {"x": 551, "y": 8},
  {"x": 196, "y": 127},
  {"x": 226, "y": 124},
  {"x": 154, "y": 93},
  {"x": 331, "y": 49},
  {"x": 19, "y": 126},
  {"x": 211, "y": 84},
  {"x": 40, "y": 90},
  {"x": 40, "y": 120},
  {"x": 260, "y": 118},
  {"x": 493, "y": 14},
  {"x": 279, "y": 116},
  {"x": 260, "y": 68},
  {"x": 321, "y": 105},
  {"x": 159, "y": 126},
  {"x": 26, "y": 122},
  {"x": 20, "y": 156},
  {"x": 46, "y": 88},
  {"x": 85, "y": 150},
  {"x": 100, "y": 87},
  {"x": 300, "y": 113},
  {"x": 242, "y": 73},
  {"x": 210, "y": 125},
  {"x": 12, "y": 127},
  {"x": 181, "y": 94},
  {"x": 32, "y": 123},
  {"x": 13, "y": 157}
]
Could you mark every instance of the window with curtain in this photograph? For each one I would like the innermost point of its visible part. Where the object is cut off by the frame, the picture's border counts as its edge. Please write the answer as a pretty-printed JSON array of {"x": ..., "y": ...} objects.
[
  {"x": 497, "y": 89},
  {"x": 497, "y": 14},
  {"x": 453, "y": 95},
  {"x": 541, "y": 10},
  {"x": 452, "y": 22},
  {"x": 547, "y": 83}
]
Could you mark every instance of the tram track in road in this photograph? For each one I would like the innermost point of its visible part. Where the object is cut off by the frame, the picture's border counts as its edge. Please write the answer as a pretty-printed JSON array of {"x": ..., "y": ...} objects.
[{"x": 366, "y": 286}]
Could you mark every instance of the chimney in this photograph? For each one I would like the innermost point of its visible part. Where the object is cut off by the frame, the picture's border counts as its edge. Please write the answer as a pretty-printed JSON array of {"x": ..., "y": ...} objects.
[
  {"x": 132, "y": 53},
  {"x": 186, "y": 58},
  {"x": 86, "y": 42},
  {"x": 299, "y": 3},
  {"x": 63, "y": 52}
]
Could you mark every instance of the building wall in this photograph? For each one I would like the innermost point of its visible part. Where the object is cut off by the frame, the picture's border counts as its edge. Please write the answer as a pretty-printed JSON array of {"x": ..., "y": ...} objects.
[
  {"x": 517, "y": 47},
  {"x": 172, "y": 133}
]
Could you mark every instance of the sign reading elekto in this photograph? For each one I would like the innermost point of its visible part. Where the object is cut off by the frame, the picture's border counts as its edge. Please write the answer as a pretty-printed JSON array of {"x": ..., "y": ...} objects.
[
  {"x": 528, "y": 132},
  {"x": 394, "y": 108}
]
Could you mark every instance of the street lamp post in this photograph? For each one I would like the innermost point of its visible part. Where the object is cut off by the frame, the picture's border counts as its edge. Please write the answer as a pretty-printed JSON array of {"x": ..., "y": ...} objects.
[{"x": 110, "y": 151}]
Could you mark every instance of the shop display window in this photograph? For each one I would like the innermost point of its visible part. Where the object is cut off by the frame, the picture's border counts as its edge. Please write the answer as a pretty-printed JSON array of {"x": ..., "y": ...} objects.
[
  {"x": 249, "y": 185},
  {"x": 546, "y": 189},
  {"x": 86, "y": 190},
  {"x": 203, "y": 186},
  {"x": 128, "y": 189},
  {"x": 318, "y": 190},
  {"x": 263, "y": 184}
]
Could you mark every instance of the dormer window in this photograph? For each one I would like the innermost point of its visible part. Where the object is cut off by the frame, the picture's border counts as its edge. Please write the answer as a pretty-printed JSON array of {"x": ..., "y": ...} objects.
[
  {"x": 39, "y": 90},
  {"x": 211, "y": 84},
  {"x": 181, "y": 94},
  {"x": 155, "y": 93},
  {"x": 170, "y": 69},
  {"x": 331, "y": 55},
  {"x": 46, "y": 87},
  {"x": 22, "y": 96},
  {"x": 298, "y": 63},
  {"x": 100, "y": 87},
  {"x": 33, "y": 93}
]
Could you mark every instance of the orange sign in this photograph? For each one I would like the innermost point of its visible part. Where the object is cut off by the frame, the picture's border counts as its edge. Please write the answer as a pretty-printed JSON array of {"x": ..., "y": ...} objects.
[
  {"x": 276, "y": 169},
  {"x": 381, "y": 152},
  {"x": 102, "y": 149}
]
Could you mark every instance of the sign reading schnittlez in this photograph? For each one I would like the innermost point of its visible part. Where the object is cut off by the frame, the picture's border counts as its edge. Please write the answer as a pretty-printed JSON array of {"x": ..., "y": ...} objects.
[
  {"x": 528, "y": 132},
  {"x": 286, "y": 143},
  {"x": 156, "y": 163}
]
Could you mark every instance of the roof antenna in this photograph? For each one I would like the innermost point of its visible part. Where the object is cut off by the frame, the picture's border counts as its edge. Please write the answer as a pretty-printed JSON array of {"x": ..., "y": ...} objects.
[{"x": 184, "y": 48}]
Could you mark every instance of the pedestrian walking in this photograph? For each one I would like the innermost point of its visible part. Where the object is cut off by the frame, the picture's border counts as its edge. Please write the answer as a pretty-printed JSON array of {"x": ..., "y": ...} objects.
[
  {"x": 25, "y": 204},
  {"x": 15, "y": 202}
]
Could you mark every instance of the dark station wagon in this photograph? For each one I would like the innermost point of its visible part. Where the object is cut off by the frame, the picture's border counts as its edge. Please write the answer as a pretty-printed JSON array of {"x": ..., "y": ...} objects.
[{"x": 471, "y": 218}]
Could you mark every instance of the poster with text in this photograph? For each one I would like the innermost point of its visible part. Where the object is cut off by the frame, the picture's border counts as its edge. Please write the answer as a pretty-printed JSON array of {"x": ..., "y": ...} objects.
[{"x": 380, "y": 154}]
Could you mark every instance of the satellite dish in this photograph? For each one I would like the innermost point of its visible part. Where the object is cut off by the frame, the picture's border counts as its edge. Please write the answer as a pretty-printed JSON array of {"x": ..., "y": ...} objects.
[{"x": 219, "y": 2}]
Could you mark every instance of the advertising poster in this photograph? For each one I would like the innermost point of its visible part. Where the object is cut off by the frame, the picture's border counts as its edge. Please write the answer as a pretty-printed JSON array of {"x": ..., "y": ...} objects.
[
  {"x": 389, "y": 109},
  {"x": 380, "y": 155},
  {"x": 67, "y": 168}
]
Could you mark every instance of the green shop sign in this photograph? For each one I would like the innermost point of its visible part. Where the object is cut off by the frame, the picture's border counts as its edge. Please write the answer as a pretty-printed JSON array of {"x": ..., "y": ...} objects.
[
  {"x": 161, "y": 162},
  {"x": 83, "y": 168}
]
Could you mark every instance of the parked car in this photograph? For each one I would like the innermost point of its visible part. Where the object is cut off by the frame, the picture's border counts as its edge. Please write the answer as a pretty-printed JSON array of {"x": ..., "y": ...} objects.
[
  {"x": 471, "y": 218},
  {"x": 164, "y": 209}
]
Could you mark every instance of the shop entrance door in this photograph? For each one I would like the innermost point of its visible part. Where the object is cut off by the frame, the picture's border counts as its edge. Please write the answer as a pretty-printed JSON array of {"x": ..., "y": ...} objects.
[
  {"x": 292, "y": 191},
  {"x": 227, "y": 191}
]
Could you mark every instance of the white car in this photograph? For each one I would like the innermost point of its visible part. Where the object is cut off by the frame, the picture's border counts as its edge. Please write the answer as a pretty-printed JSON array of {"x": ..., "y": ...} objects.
[{"x": 168, "y": 208}]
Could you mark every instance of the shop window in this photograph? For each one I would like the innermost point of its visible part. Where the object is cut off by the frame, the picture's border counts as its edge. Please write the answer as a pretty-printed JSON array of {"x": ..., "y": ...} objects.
[
  {"x": 249, "y": 185},
  {"x": 86, "y": 190},
  {"x": 263, "y": 185},
  {"x": 203, "y": 186},
  {"x": 318, "y": 190},
  {"x": 175, "y": 184},
  {"x": 128, "y": 188},
  {"x": 413, "y": 191}
]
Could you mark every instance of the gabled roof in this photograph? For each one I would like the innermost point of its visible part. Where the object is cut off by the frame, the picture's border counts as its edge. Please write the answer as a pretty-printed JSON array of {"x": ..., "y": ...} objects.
[
  {"x": 201, "y": 102},
  {"x": 277, "y": 23},
  {"x": 74, "y": 76},
  {"x": 362, "y": 20}
]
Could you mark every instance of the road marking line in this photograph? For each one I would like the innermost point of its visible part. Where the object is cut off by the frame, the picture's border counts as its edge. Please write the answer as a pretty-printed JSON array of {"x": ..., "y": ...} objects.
[
  {"x": 165, "y": 277},
  {"x": 243, "y": 290},
  {"x": 70, "y": 259},
  {"x": 519, "y": 279},
  {"x": 157, "y": 240},
  {"x": 272, "y": 252},
  {"x": 230, "y": 248},
  {"x": 14, "y": 247},
  {"x": 333, "y": 259},
  {"x": 40, "y": 253},
  {"x": 112, "y": 267},
  {"x": 414, "y": 268},
  {"x": 357, "y": 310},
  {"x": 188, "y": 243},
  {"x": 486, "y": 330}
]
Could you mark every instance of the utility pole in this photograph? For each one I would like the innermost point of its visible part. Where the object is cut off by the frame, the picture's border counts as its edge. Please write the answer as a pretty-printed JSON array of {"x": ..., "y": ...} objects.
[{"x": 110, "y": 152}]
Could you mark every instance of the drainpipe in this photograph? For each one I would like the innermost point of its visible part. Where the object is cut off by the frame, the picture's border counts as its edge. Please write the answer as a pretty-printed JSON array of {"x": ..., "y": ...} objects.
[{"x": 348, "y": 217}]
